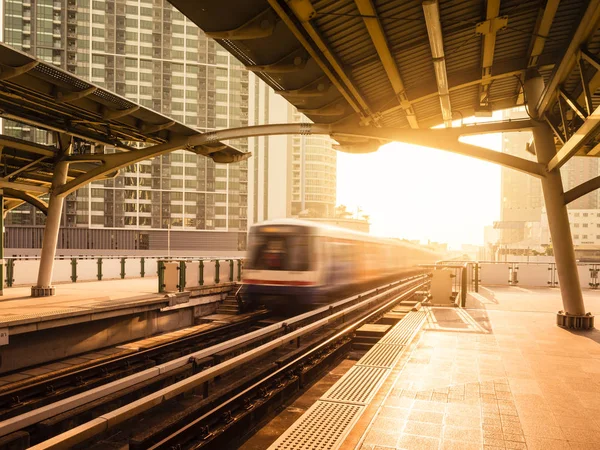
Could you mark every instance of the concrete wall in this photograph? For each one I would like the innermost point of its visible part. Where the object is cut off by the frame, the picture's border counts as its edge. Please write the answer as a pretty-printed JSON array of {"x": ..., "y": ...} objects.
[{"x": 55, "y": 343}]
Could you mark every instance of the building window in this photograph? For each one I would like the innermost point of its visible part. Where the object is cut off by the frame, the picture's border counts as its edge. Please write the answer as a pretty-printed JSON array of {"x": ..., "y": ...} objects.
[{"x": 576, "y": 236}]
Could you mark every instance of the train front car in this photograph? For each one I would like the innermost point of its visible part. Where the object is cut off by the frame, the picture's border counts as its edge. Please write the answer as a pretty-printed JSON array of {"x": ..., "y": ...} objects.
[{"x": 281, "y": 270}]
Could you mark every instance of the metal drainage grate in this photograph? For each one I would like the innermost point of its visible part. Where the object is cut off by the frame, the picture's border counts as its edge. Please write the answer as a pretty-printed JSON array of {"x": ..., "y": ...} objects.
[
  {"x": 402, "y": 333},
  {"x": 358, "y": 385},
  {"x": 382, "y": 355},
  {"x": 324, "y": 426}
]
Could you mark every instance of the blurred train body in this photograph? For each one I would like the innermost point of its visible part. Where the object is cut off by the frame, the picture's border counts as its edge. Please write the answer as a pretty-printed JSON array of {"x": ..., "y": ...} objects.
[{"x": 301, "y": 264}]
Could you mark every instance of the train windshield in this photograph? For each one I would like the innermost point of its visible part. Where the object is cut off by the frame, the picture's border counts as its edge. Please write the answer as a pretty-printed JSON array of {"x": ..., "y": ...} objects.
[{"x": 280, "y": 249}]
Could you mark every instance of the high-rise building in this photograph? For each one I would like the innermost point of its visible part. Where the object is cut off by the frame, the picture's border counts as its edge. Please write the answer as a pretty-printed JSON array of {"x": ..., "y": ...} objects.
[
  {"x": 148, "y": 52},
  {"x": 521, "y": 194},
  {"x": 291, "y": 175}
]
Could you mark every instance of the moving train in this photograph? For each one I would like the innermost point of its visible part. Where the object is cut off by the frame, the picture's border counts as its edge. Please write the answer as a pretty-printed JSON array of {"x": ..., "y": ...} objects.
[{"x": 296, "y": 263}]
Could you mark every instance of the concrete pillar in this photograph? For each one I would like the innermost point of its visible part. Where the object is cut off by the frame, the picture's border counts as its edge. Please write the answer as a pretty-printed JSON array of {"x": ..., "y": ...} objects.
[
  {"x": 44, "y": 286},
  {"x": 574, "y": 315}
]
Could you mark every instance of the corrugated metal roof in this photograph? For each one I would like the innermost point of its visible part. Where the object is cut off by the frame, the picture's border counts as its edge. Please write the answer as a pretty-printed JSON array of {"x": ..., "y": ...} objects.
[{"x": 342, "y": 49}]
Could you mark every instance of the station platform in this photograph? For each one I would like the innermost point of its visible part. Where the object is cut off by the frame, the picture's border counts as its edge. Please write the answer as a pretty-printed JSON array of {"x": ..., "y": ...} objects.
[
  {"x": 498, "y": 374},
  {"x": 87, "y": 316}
]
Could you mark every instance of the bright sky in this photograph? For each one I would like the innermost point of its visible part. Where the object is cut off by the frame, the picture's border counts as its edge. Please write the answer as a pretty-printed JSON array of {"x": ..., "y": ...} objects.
[{"x": 421, "y": 193}]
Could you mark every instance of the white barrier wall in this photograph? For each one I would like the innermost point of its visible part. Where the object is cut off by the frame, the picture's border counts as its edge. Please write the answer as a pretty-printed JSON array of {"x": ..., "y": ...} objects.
[
  {"x": 192, "y": 273},
  {"x": 87, "y": 269},
  {"x": 26, "y": 272},
  {"x": 534, "y": 275},
  {"x": 494, "y": 273},
  {"x": 150, "y": 267},
  {"x": 111, "y": 268},
  {"x": 209, "y": 272},
  {"x": 585, "y": 276}
]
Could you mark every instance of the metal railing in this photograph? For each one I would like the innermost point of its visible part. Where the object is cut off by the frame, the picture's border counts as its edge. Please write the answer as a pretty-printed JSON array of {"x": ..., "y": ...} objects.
[
  {"x": 22, "y": 271},
  {"x": 185, "y": 274}
]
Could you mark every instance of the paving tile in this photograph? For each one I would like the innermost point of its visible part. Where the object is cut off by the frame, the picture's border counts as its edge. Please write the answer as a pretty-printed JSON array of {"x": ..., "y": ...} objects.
[
  {"x": 583, "y": 423},
  {"x": 538, "y": 443},
  {"x": 422, "y": 405},
  {"x": 517, "y": 437},
  {"x": 394, "y": 413},
  {"x": 412, "y": 442},
  {"x": 448, "y": 444},
  {"x": 426, "y": 416},
  {"x": 423, "y": 429},
  {"x": 515, "y": 445},
  {"x": 463, "y": 434},
  {"x": 541, "y": 430},
  {"x": 462, "y": 421},
  {"x": 377, "y": 437},
  {"x": 577, "y": 435}
]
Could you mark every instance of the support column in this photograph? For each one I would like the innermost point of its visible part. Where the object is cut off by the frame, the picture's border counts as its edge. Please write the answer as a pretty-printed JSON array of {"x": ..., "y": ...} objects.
[
  {"x": 574, "y": 315},
  {"x": 44, "y": 287}
]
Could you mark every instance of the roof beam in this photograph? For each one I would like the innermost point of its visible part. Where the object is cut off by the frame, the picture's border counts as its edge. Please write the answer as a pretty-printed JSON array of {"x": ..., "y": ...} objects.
[
  {"x": 155, "y": 128},
  {"x": 304, "y": 12},
  {"x": 373, "y": 24},
  {"x": 23, "y": 187},
  {"x": 447, "y": 139},
  {"x": 572, "y": 103},
  {"x": 258, "y": 27},
  {"x": 6, "y": 72},
  {"x": 66, "y": 97},
  {"x": 587, "y": 27},
  {"x": 488, "y": 30},
  {"x": 581, "y": 190},
  {"x": 294, "y": 62},
  {"x": 542, "y": 31},
  {"x": 313, "y": 53},
  {"x": 112, "y": 114},
  {"x": 582, "y": 136},
  {"x": 24, "y": 168},
  {"x": 434, "y": 30},
  {"x": 27, "y": 146},
  {"x": 31, "y": 199}
]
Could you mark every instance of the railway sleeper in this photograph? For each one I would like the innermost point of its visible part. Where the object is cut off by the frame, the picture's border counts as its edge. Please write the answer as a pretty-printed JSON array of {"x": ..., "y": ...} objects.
[
  {"x": 19, "y": 440},
  {"x": 156, "y": 425},
  {"x": 38, "y": 398},
  {"x": 220, "y": 390},
  {"x": 244, "y": 421},
  {"x": 74, "y": 417}
]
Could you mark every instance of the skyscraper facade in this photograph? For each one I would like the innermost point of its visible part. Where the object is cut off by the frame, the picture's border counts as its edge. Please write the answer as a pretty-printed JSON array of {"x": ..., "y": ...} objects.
[
  {"x": 148, "y": 52},
  {"x": 291, "y": 175},
  {"x": 521, "y": 194}
]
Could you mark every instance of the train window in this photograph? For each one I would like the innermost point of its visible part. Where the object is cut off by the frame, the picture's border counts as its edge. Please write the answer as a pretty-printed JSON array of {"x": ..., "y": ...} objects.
[{"x": 269, "y": 251}]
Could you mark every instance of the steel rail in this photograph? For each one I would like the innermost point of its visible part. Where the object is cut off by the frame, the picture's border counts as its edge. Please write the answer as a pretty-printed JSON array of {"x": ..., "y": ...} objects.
[
  {"x": 25, "y": 391},
  {"x": 282, "y": 370},
  {"x": 96, "y": 426},
  {"x": 27, "y": 419}
]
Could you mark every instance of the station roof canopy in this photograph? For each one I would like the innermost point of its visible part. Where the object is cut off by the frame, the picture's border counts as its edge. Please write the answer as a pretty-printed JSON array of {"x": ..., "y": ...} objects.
[
  {"x": 37, "y": 93},
  {"x": 413, "y": 64}
]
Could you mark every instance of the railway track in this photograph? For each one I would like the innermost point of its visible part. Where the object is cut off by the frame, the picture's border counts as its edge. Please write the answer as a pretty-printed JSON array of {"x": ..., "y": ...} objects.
[
  {"x": 186, "y": 393},
  {"x": 27, "y": 395}
]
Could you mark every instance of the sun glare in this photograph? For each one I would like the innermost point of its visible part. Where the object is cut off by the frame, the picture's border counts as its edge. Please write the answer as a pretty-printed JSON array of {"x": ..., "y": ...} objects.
[{"x": 420, "y": 193}]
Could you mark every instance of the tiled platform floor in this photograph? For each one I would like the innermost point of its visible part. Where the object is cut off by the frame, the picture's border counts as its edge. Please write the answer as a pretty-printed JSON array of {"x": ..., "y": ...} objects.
[{"x": 497, "y": 375}]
